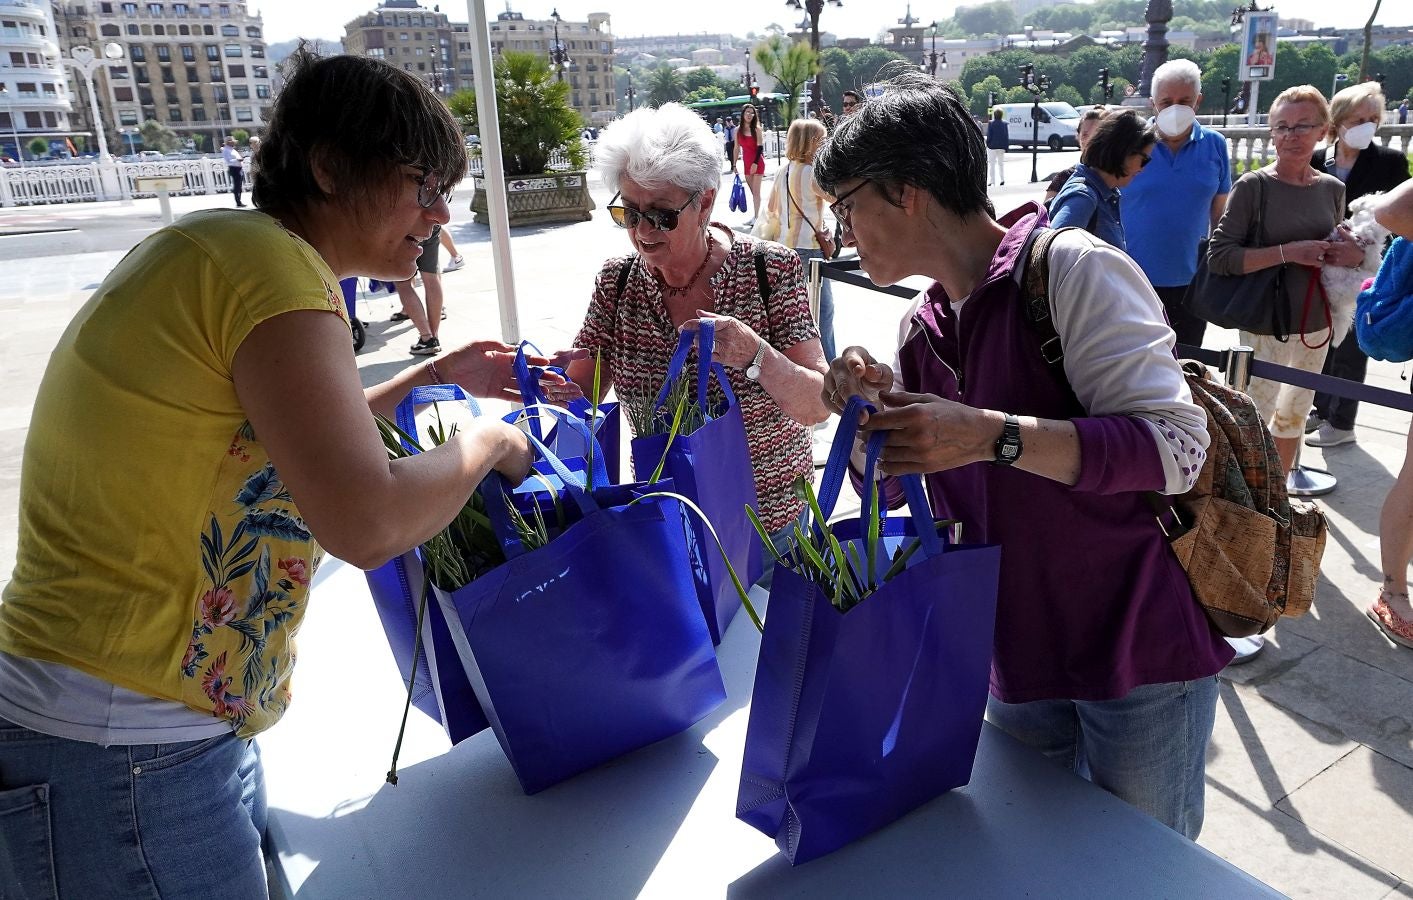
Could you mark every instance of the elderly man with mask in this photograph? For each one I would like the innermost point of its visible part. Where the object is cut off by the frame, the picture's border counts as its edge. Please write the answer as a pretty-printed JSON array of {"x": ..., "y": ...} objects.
[{"x": 1176, "y": 200}]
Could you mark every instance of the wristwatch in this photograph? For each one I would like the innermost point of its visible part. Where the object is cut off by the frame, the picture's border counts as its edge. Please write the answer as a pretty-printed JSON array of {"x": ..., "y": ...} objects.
[
  {"x": 1008, "y": 445},
  {"x": 753, "y": 370}
]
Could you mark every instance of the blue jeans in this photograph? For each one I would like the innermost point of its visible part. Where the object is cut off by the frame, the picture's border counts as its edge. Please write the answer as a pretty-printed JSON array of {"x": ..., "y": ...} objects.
[
  {"x": 1148, "y": 748},
  {"x": 148, "y": 820},
  {"x": 826, "y": 305}
]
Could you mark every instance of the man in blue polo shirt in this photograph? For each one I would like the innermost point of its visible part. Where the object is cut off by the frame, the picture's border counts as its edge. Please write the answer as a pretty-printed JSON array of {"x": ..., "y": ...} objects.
[{"x": 1175, "y": 201}]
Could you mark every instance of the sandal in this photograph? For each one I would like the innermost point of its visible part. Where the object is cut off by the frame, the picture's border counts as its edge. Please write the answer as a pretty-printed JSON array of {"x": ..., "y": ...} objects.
[{"x": 1394, "y": 627}]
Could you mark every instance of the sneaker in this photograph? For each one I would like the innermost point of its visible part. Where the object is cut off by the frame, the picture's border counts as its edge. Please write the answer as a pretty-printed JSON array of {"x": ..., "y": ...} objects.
[
  {"x": 399, "y": 316},
  {"x": 457, "y": 262},
  {"x": 749, "y": 222},
  {"x": 428, "y": 346},
  {"x": 1330, "y": 436},
  {"x": 1313, "y": 421}
]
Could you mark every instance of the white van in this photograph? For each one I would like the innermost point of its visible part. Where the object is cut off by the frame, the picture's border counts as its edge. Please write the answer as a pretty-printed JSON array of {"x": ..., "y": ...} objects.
[{"x": 1059, "y": 124}]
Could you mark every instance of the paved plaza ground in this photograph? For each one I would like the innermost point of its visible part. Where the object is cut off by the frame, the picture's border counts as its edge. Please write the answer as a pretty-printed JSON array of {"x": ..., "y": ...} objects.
[{"x": 1310, "y": 775}]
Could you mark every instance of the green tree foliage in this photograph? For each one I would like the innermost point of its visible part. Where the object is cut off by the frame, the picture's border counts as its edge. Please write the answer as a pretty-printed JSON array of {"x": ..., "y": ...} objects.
[
  {"x": 980, "y": 95},
  {"x": 710, "y": 92},
  {"x": 1067, "y": 94},
  {"x": 534, "y": 112},
  {"x": 157, "y": 136},
  {"x": 241, "y": 135},
  {"x": 665, "y": 86},
  {"x": 997, "y": 18},
  {"x": 37, "y": 147},
  {"x": 871, "y": 64},
  {"x": 791, "y": 64}
]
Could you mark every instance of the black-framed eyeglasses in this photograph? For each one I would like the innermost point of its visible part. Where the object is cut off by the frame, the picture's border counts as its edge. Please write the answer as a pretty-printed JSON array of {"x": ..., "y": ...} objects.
[
  {"x": 1300, "y": 130},
  {"x": 429, "y": 187},
  {"x": 1147, "y": 158},
  {"x": 843, "y": 213},
  {"x": 659, "y": 219}
]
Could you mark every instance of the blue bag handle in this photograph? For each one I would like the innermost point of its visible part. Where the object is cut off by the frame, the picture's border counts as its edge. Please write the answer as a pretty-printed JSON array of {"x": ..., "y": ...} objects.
[
  {"x": 534, "y": 411},
  {"x": 705, "y": 339},
  {"x": 527, "y": 379},
  {"x": 406, "y": 414},
  {"x": 832, "y": 481}
]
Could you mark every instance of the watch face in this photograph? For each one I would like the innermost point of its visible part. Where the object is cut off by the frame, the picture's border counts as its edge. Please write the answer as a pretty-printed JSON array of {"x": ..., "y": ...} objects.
[
  {"x": 753, "y": 372},
  {"x": 1009, "y": 451}
]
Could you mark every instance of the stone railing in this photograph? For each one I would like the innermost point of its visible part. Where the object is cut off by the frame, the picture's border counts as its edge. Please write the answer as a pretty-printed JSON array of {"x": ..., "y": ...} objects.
[{"x": 1252, "y": 148}]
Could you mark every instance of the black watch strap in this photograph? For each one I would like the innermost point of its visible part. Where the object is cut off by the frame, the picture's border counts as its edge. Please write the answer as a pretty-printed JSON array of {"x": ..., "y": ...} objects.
[{"x": 1008, "y": 445}]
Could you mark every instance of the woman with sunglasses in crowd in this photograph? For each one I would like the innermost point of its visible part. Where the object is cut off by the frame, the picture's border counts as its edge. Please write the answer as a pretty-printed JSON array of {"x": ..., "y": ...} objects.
[
  {"x": 664, "y": 166},
  {"x": 1118, "y": 149},
  {"x": 1299, "y": 211},
  {"x": 1102, "y": 659},
  {"x": 750, "y": 147},
  {"x": 200, "y": 434}
]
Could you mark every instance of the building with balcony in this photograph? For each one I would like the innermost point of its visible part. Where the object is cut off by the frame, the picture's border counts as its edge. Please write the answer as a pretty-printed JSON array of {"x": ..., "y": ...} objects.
[
  {"x": 34, "y": 97},
  {"x": 589, "y": 45},
  {"x": 197, "y": 67},
  {"x": 421, "y": 41}
]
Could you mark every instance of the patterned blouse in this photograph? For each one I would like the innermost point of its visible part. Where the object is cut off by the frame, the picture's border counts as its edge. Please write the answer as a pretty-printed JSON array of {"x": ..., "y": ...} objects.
[{"x": 636, "y": 337}]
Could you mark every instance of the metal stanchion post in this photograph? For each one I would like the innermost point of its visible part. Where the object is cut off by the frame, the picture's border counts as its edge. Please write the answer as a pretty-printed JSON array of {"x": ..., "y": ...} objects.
[
  {"x": 816, "y": 284},
  {"x": 1238, "y": 376}
]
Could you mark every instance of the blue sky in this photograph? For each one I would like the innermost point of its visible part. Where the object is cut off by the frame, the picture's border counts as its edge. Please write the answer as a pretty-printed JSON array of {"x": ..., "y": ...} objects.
[{"x": 856, "y": 18}]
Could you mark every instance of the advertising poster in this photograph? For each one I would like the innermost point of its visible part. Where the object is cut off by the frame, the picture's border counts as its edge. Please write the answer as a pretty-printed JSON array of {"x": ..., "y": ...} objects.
[{"x": 1259, "y": 47}]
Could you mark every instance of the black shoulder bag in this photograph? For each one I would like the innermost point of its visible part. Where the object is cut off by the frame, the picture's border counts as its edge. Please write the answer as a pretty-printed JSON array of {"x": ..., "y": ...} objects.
[{"x": 1254, "y": 302}]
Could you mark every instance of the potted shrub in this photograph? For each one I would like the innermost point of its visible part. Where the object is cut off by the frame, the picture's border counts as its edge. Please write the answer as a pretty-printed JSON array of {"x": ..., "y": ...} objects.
[{"x": 536, "y": 124}]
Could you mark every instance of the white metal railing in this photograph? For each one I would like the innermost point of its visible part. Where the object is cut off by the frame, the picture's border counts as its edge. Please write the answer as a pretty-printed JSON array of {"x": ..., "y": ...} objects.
[
  {"x": 475, "y": 167},
  {"x": 51, "y": 184},
  {"x": 203, "y": 176},
  {"x": 74, "y": 182},
  {"x": 1252, "y": 148}
]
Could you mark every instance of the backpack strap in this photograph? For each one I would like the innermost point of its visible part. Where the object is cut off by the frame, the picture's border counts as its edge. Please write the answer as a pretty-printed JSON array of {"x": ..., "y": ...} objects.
[
  {"x": 623, "y": 274},
  {"x": 1035, "y": 297},
  {"x": 762, "y": 278}
]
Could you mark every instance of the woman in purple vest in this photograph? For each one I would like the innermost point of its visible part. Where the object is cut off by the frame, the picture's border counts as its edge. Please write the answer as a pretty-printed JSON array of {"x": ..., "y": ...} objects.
[{"x": 1102, "y": 658}]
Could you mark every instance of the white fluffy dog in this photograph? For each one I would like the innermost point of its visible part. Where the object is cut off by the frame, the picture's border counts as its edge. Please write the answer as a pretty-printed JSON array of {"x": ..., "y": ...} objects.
[{"x": 1342, "y": 284}]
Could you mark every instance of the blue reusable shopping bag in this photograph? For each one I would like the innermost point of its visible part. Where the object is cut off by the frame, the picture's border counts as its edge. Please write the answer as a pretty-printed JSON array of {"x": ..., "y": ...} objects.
[
  {"x": 1383, "y": 315},
  {"x": 441, "y": 688},
  {"x": 592, "y": 645},
  {"x": 712, "y": 468},
  {"x": 570, "y": 443},
  {"x": 859, "y": 717},
  {"x": 738, "y": 196}
]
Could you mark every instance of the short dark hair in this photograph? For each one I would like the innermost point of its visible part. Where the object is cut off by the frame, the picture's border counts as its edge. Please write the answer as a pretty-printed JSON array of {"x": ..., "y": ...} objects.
[
  {"x": 1119, "y": 134},
  {"x": 855, "y": 94},
  {"x": 919, "y": 132},
  {"x": 359, "y": 118}
]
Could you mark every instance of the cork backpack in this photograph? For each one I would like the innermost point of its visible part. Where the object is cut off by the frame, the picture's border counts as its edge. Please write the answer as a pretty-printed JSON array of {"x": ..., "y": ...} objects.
[{"x": 1251, "y": 553}]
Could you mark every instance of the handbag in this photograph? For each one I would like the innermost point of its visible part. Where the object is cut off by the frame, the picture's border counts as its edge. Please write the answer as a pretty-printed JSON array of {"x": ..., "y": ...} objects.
[
  {"x": 441, "y": 688},
  {"x": 1383, "y": 315},
  {"x": 858, "y": 717},
  {"x": 738, "y": 196},
  {"x": 593, "y": 644},
  {"x": 1256, "y": 302},
  {"x": 822, "y": 237},
  {"x": 712, "y": 468}
]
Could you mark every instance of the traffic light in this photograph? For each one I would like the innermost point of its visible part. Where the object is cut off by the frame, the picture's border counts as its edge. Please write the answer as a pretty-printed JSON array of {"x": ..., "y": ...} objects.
[
  {"x": 1108, "y": 89},
  {"x": 991, "y": 98},
  {"x": 755, "y": 91}
]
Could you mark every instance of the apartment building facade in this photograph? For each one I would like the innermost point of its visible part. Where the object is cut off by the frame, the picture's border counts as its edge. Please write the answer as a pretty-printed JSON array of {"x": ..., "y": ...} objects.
[
  {"x": 588, "y": 45},
  {"x": 34, "y": 98},
  {"x": 418, "y": 40},
  {"x": 198, "y": 67}
]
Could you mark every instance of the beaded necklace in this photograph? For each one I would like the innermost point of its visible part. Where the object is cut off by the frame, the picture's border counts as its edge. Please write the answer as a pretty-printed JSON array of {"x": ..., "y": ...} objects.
[{"x": 670, "y": 291}]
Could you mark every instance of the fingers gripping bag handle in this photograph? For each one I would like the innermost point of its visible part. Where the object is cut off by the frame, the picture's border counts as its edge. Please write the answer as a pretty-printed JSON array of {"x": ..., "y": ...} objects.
[
  {"x": 931, "y": 543},
  {"x": 406, "y": 414},
  {"x": 704, "y": 337}
]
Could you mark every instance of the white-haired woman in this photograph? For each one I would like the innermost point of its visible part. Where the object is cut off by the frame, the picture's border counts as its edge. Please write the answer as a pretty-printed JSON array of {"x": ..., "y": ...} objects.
[{"x": 664, "y": 166}]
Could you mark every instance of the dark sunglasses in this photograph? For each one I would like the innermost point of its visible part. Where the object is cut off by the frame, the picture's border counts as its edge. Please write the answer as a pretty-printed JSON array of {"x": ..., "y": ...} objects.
[
  {"x": 429, "y": 187},
  {"x": 1147, "y": 158},
  {"x": 659, "y": 219}
]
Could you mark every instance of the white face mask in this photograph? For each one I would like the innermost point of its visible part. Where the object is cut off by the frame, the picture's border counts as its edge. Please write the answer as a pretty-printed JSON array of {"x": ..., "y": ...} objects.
[
  {"x": 1360, "y": 136},
  {"x": 1175, "y": 120}
]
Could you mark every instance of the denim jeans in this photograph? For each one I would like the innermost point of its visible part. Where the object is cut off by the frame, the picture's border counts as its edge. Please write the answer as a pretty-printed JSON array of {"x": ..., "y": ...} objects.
[
  {"x": 1148, "y": 748},
  {"x": 826, "y": 305},
  {"x": 148, "y": 820}
]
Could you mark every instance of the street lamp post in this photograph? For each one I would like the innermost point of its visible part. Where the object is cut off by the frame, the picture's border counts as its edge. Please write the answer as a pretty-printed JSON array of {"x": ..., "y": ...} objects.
[
  {"x": 87, "y": 62},
  {"x": 814, "y": 8},
  {"x": 932, "y": 57},
  {"x": 558, "y": 55},
  {"x": 629, "y": 95},
  {"x": 1340, "y": 78}
]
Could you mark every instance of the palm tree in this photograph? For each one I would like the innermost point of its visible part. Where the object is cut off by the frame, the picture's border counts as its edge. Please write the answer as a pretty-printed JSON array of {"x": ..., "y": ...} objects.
[
  {"x": 665, "y": 86},
  {"x": 536, "y": 120},
  {"x": 791, "y": 64}
]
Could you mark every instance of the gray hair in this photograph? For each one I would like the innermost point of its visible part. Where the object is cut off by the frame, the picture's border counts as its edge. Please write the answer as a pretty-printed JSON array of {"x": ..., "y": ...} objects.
[
  {"x": 667, "y": 146},
  {"x": 1182, "y": 70}
]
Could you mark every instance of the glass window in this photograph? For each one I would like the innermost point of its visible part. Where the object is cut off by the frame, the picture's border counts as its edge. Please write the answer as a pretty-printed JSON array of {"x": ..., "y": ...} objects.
[
  {"x": 137, "y": 52},
  {"x": 154, "y": 9},
  {"x": 123, "y": 93},
  {"x": 180, "y": 10},
  {"x": 240, "y": 92},
  {"x": 213, "y": 52},
  {"x": 233, "y": 50},
  {"x": 230, "y": 31},
  {"x": 128, "y": 116},
  {"x": 244, "y": 114},
  {"x": 260, "y": 71},
  {"x": 257, "y": 51},
  {"x": 236, "y": 71},
  {"x": 192, "y": 76},
  {"x": 133, "y": 29},
  {"x": 198, "y": 114},
  {"x": 174, "y": 113},
  {"x": 188, "y": 53},
  {"x": 217, "y": 73},
  {"x": 129, "y": 9},
  {"x": 262, "y": 91},
  {"x": 164, "y": 53},
  {"x": 205, "y": 10},
  {"x": 167, "y": 76}
]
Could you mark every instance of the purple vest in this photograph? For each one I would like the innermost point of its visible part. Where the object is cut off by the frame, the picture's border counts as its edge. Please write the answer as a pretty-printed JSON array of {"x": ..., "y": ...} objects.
[{"x": 1093, "y": 603}]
